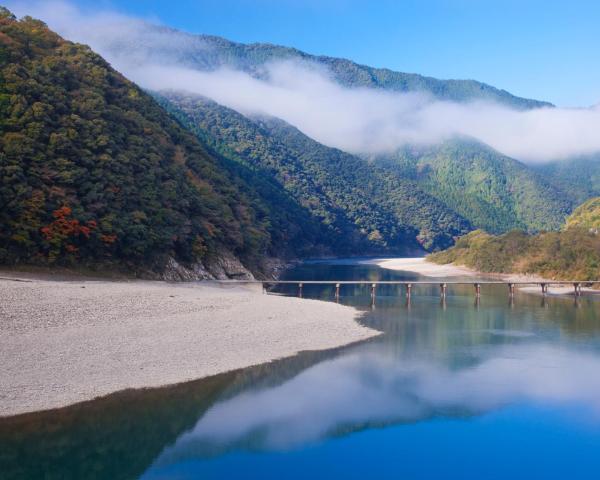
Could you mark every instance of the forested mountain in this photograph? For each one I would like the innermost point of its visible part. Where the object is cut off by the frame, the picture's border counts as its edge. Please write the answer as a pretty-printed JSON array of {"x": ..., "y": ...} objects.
[
  {"x": 577, "y": 178},
  {"x": 206, "y": 52},
  {"x": 586, "y": 216},
  {"x": 94, "y": 172},
  {"x": 494, "y": 192},
  {"x": 490, "y": 190},
  {"x": 338, "y": 188}
]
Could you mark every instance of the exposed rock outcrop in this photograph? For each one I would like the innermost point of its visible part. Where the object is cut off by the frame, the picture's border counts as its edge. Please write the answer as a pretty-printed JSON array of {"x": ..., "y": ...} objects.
[{"x": 223, "y": 266}]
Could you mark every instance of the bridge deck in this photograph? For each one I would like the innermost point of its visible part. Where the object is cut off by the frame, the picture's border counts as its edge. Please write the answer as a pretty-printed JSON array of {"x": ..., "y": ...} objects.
[
  {"x": 409, "y": 284},
  {"x": 413, "y": 282}
]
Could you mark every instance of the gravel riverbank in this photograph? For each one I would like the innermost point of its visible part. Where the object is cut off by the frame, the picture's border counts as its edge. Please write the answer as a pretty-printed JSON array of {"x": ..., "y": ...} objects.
[{"x": 63, "y": 342}]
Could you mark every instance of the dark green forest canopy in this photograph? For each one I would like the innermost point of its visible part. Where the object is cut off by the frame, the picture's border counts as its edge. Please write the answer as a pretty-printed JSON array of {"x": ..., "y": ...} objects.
[
  {"x": 577, "y": 178},
  {"x": 494, "y": 192},
  {"x": 371, "y": 208},
  {"x": 93, "y": 170}
]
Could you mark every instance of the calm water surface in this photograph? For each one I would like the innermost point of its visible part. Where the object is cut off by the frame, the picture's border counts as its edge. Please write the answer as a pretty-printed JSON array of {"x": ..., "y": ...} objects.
[{"x": 453, "y": 389}]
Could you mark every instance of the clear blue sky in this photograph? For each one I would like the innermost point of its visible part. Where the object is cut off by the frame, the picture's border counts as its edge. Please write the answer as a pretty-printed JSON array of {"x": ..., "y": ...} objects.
[{"x": 543, "y": 49}]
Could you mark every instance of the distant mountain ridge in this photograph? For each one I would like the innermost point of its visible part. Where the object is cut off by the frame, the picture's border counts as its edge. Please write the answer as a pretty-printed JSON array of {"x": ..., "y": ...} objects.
[
  {"x": 209, "y": 52},
  {"x": 349, "y": 73}
]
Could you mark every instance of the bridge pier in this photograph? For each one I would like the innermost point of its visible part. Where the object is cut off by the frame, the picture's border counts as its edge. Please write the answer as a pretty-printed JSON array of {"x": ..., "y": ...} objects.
[
  {"x": 271, "y": 286},
  {"x": 373, "y": 287}
]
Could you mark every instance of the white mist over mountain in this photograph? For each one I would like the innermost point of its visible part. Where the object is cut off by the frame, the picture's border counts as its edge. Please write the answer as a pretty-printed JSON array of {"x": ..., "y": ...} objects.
[{"x": 357, "y": 120}]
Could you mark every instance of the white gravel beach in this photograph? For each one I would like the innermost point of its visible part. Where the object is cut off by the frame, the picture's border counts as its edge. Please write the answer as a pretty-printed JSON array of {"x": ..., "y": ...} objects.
[
  {"x": 62, "y": 342},
  {"x": 421, "y": 266}
]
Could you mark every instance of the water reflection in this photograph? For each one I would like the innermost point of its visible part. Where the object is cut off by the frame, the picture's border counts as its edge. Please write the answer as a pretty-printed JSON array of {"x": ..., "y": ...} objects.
[
  {"x": 458, "y": 357},
  {"x": 368, "y": 389}
]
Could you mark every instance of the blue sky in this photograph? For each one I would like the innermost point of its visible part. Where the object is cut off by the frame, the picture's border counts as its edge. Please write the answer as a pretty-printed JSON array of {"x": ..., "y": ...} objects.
[{"x": 538, "y": 49}]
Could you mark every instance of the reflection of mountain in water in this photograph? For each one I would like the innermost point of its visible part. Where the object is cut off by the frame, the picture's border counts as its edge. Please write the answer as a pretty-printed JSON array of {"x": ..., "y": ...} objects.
[{"x": 119, "y": 436}]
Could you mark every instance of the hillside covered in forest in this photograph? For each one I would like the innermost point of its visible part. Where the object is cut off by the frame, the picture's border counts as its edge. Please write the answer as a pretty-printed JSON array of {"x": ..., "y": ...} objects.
[
  {"x": 490, "y": 190},
  {"x": 494, "y": 192},
  {"x": 94, "y": 172},
  {"x": 572, "y": 253},
  {"x": 586, "y": 216},
  {"x": 337, "y": 188}
]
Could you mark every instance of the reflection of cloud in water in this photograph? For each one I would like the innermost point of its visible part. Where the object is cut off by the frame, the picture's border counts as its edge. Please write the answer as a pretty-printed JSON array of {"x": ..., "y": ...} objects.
[
  {"x": 369, "y": 389},
  {"x": 510, "y": 333}
]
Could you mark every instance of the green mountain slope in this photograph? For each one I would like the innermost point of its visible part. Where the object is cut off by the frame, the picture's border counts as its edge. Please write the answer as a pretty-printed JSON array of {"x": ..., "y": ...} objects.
[
  {"x": 94, "y": 172},
  {"x": 586, "y": 216},
  {"x": 492, "y": 191},
  {"x": 342, "y": 190},
  {"x": 578, "y": 178}
]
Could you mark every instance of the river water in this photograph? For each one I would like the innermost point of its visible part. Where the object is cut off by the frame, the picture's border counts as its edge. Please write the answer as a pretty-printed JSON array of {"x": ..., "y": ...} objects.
[{"x": 451, "y": 389}]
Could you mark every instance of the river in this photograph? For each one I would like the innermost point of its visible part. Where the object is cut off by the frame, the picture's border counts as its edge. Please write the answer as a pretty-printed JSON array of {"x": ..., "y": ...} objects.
[{"x": 454, "y": 388}]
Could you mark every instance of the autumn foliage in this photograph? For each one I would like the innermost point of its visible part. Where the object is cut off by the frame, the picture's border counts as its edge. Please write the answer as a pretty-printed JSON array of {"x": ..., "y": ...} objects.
[{"x": 65, "y": 233}]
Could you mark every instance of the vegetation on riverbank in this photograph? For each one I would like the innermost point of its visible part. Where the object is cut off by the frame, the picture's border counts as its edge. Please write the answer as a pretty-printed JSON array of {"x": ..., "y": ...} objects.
[
  {"x": 586, "y": 216},
  {"x": 571, "y": 254}
]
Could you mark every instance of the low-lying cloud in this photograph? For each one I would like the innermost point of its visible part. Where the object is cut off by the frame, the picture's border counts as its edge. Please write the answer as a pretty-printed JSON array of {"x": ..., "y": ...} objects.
[{"x": 358, "y": 120}]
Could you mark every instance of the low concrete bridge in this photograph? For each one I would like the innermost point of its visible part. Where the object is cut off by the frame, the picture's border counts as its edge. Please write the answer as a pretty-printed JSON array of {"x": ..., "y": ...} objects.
[{"x": 408, "y": 285}]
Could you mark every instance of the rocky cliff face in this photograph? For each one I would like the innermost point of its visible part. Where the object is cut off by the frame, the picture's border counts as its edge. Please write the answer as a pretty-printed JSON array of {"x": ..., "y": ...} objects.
[{"x": 224, "y": 266}]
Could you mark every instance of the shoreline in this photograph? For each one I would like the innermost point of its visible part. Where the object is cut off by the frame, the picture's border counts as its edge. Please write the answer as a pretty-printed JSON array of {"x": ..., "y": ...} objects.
[
  {"x": 67, "y": 341},
  {"x": 421, "y": 266}
]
